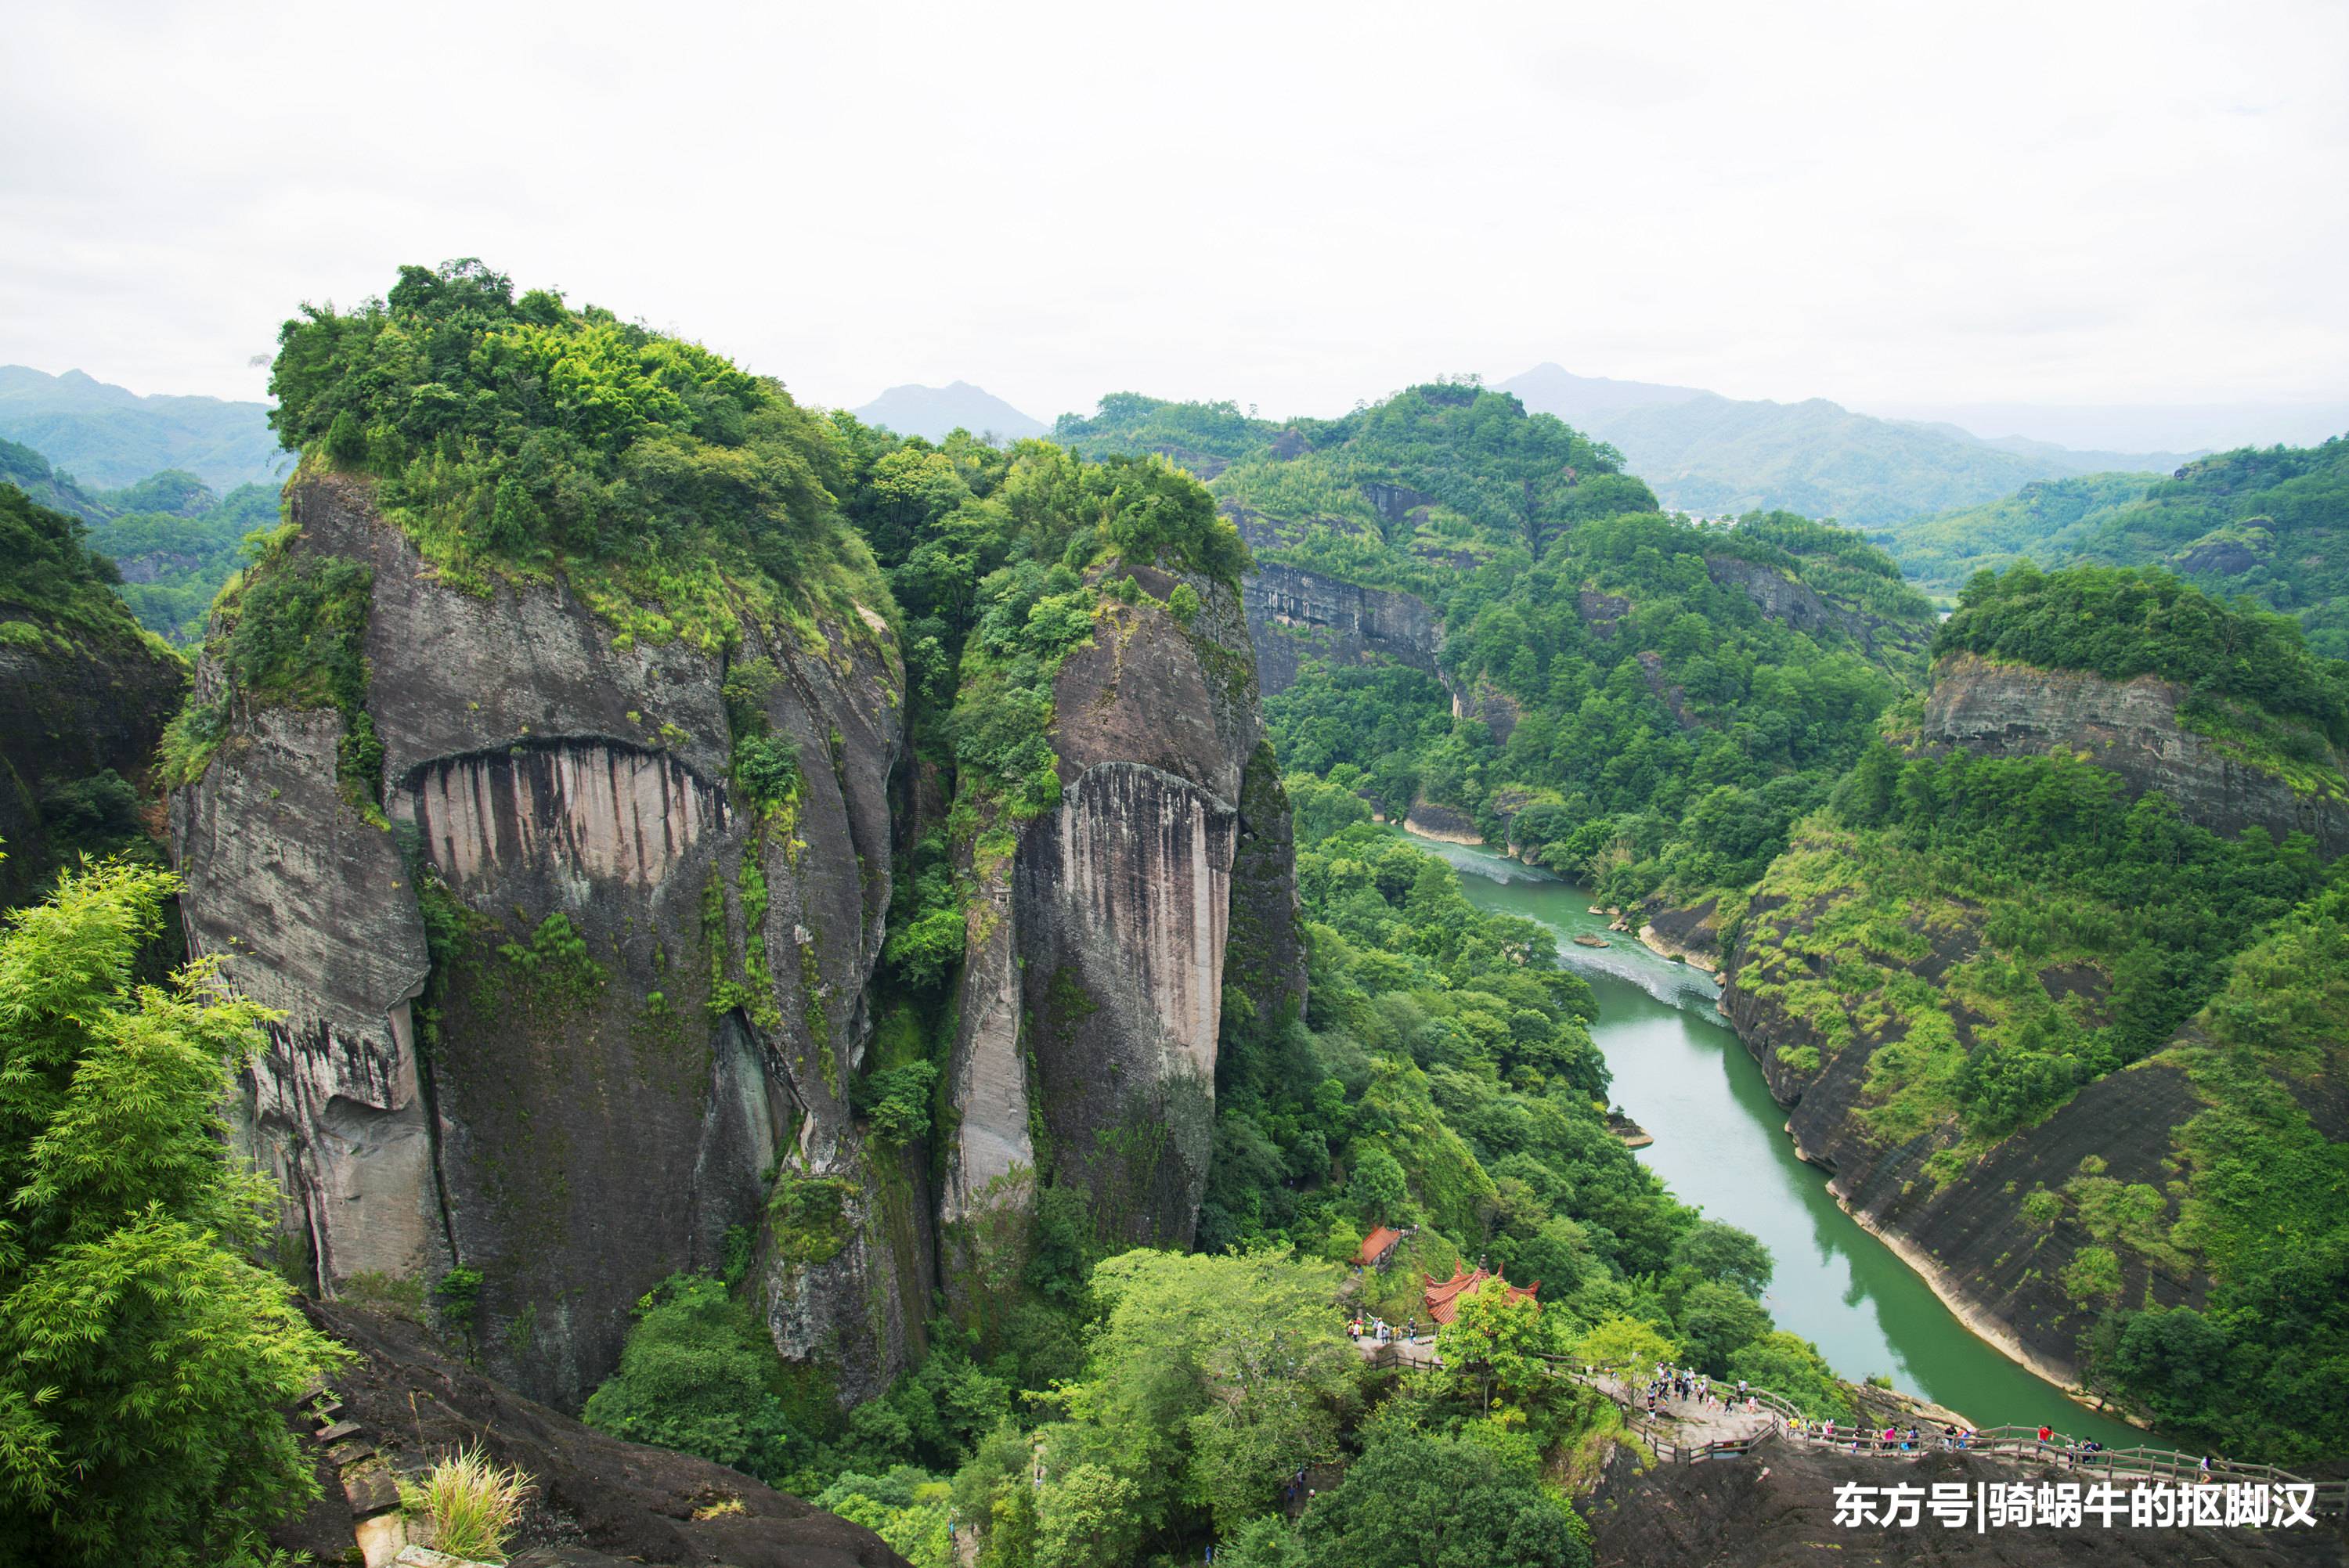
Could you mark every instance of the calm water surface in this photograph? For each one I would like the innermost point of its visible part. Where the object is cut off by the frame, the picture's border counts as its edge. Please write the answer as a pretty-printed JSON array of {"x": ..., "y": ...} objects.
[{"x": 1721, "y": 1144}]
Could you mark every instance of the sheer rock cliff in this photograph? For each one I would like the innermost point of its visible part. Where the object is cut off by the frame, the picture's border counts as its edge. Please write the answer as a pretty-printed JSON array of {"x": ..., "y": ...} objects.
[
  {"x": 574, "y": 1107},
  {"x": 2132, "y": 729},
  {"x": 1100, "y": 955},
  {"x": 571, "y": 1011}
]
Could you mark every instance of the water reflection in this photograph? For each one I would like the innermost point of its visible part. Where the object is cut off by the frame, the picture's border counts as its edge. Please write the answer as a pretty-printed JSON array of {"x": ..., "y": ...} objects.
[{"x": 1720, "y": 1145}]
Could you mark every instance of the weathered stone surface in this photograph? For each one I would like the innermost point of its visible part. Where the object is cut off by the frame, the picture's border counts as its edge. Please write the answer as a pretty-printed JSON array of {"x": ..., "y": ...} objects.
[
  {"x": 1124, "y": 910},
  {"x": 1799, "y": 605},
  {"x": 2130, "y": 727},
  {"x": 1092, "y": 985},
  {"x": 310, "y": 908},
  {"x": 72, "y": 705},
  {"x": 597, "y": 1499},
  {"x": 1294, "y": 615},
  {"x": 1968, "y": 1239},
  {"x": 575, "y": 1134},
  {"x": 1444, "y": 824},
  {"x": 370, "y": 1491}
]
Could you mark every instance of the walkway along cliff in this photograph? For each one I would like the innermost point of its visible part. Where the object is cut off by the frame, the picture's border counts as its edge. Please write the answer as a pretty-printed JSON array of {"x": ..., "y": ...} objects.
[{"x": 564, "y": 1014}]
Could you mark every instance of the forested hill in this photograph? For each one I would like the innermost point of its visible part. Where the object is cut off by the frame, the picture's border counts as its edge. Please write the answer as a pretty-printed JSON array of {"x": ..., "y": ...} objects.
[
  {"x": 172, "y": 541},
  {"x": 2058, "y": 972},
  {"x": 1619, "y": 695},
  {"x": 2271, "y": 522}
]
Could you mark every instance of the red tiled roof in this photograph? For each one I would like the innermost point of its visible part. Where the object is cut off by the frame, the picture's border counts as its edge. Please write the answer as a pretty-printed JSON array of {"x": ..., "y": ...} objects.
[
  {"x": 1444, "y": 1300},
  {"x": 1376, "y": 1244}
]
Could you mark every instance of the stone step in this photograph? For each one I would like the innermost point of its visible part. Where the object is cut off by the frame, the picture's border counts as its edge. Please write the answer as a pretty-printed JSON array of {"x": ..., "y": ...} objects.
[
  {"x": 339, "y": 1431},
  {"x": 370, "y": 1491}
]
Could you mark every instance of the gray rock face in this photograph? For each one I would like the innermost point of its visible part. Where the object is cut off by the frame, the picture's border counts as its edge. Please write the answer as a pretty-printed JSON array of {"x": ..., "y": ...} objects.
[
  {"x": 639, "y": 997},
  {"x": 1294, "y": 615},
  {"x": 1123, "y": 913},
  {"x": 1093, "y": 987},
  {"x": 2130, "y": 727},
  {"x": 573, "y": 1012},
  {"x": 312, "y": 913},
  {"x": 2001, "y": 1274},
  {"x": 1799, "y": 605},
  {"x": 72, "y": 705}
]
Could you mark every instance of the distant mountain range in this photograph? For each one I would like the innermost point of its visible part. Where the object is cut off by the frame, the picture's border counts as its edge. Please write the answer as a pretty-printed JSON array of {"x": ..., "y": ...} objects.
[
  {"x": 932, "y": 412},
  {"x": 108, "y": 437},
  {"x": 1708, "y": 454}
]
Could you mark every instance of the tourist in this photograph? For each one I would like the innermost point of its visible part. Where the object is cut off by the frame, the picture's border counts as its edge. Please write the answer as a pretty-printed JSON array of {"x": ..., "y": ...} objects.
[{"x": 2046, "y": 1432}]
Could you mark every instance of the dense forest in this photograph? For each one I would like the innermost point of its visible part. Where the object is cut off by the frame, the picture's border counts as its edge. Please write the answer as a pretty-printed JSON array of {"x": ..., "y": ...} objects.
[
  {"x": 1645, "y": 722},
  {"x": 2269, "y": 522},
  {"x": 1442, "y": 1082},
  {"x": 1667, "y": 711},
  {"x": 2178, "y": 946}
]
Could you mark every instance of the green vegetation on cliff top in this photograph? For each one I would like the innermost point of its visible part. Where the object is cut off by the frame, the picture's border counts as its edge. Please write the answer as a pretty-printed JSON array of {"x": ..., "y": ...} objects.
[
  {"x": 1634, "y": 717},
  {"x": 2272, "y": 523},
  {"x": 518, "y": 436},
  {"x": 2123, "y": 623}
]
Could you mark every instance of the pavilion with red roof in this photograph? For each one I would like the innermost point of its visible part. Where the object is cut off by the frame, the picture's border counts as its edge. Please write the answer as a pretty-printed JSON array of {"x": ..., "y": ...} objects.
[
  {"x": 1444, "y": 1300},
  {"x": 1377, "y": 1247}
]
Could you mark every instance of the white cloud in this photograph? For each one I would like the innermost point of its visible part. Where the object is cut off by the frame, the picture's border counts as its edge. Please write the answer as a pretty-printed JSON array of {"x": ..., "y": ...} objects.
[{"x": 1295, "y": 205}]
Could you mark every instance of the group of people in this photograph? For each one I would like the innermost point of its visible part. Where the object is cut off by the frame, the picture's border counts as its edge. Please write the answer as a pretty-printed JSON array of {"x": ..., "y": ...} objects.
[
  {"x": 1892, "y": 1439},
  {"x": 1689, "y": 1384},
  {"x": 1379, "y": 1331}
]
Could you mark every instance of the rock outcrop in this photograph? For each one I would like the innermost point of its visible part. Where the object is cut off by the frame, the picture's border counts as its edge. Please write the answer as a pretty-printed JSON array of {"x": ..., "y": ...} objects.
[
  {"x": 1093, "y": 985},
  {"x": 1801, "y": 606},
  {"x": 1816, "y": 1035},
  {"x": 1444, "y": 824},
  {"x": 569, "y": 1012},
  {"x": 2132, "y": 729},
  {"x": 408, "y": 1401},
  {"x": 74, "y": 706},
  {"x": 1294, "y": 615},
  {"x": 2000, "y": 1274}
]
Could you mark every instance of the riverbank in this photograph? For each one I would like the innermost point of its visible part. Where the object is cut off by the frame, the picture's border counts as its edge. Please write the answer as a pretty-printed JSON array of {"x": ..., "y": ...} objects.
[
  {"x": 1720, "y": 1143},
  {"x": 1661, "y": 948},
  {"x": 1979, "y": 1324}
]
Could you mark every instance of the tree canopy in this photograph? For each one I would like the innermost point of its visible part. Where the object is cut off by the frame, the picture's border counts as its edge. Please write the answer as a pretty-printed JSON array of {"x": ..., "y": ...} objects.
[{"x": 144, "y": 1360}]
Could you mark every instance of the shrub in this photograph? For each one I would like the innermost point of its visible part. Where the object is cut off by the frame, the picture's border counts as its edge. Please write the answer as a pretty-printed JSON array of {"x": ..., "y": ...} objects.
[{"x": 692, "y": 1379}]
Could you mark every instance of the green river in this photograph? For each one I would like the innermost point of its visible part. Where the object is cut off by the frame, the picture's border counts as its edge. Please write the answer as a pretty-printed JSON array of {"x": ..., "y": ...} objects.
[{"x": 1721, "y": 1144}]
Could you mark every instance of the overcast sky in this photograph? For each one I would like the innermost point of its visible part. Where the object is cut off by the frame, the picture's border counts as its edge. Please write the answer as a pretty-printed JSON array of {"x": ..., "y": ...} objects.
[{"x": 1296, "y": 206}]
